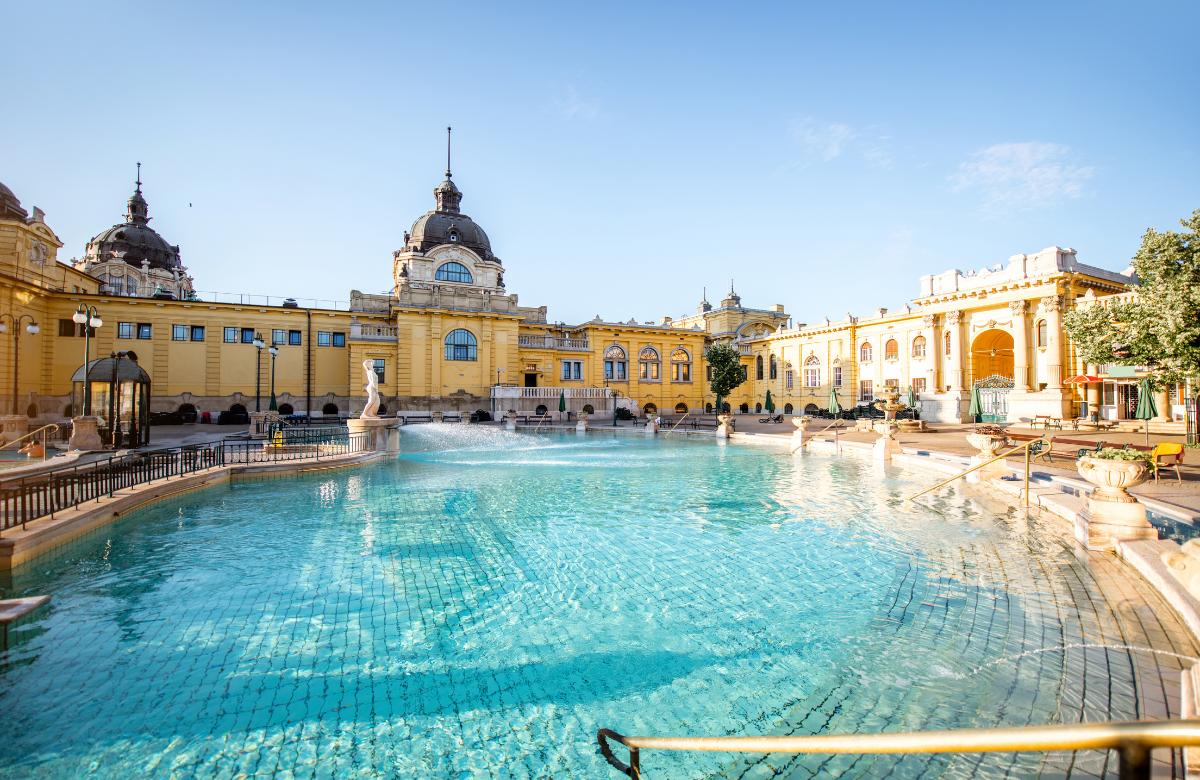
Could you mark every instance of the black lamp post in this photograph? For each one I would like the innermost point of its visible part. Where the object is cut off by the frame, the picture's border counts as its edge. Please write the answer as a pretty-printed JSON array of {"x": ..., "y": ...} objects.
[
  {"x": 32, "y": 329},
  {"x": 258, "y": 348},
  {"x": 89, "y": 318},
  {"x": 273, "y": 350}
]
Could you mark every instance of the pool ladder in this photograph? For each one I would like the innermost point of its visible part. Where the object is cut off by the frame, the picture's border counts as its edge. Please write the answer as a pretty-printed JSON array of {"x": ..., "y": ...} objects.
[
  {"x": 1026, "y": 446},
  {"x": 44, "y": 430}
]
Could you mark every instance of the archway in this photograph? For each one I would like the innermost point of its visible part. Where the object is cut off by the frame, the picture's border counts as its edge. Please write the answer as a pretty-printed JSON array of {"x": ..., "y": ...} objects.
[
  {"x": 187, "y": 413},
  {"x": 540, "y": 410},
  {"x": 787, "y": 408},
  {"x": 329, "y": 409},
  {"x": 286, "y": 409},
  {"x": 681, "y": 408},
  {"x": 589, "y": 408},
  {"x": 708, "y": 408},
  {"x": 992, "y": 355},
  {"x": 744, "y": 408},
  {"x": 650, "y": 409}
]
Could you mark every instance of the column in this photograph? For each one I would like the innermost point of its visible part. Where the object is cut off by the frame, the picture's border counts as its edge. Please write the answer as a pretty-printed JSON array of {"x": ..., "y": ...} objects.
[
  {"x": 931, "y": 353},
  {"x": 1162, "y": 400},
  {"x": 954, "y": 361},
  {"x": 1020, "y": 345},
  {"x": 1052, "y": 308},
  {"x": 1093, "y": 390}
]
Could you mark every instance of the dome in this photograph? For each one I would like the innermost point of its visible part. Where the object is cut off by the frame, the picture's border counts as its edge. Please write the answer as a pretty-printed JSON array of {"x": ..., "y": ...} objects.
[
  {"x": 134, "y": 241},
  {"x": 447, "y": 225},
  {"x": 10, "y": 206}
]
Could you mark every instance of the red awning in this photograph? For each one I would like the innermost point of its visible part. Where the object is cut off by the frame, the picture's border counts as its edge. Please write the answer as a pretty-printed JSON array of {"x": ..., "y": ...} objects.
[{"x": 1082, "y": 379}]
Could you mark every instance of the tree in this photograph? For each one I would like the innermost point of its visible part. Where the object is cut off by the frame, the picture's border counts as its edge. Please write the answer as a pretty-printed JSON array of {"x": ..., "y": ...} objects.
[
  {"x": 727, "y": 373},
  {"x": 1161, "y": 328}
]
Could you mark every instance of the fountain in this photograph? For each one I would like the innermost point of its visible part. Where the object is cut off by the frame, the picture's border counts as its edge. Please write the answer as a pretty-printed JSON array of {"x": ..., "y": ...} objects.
[
  {"x": 383, "y": 435},
  {"x": 889, "y": 404}
]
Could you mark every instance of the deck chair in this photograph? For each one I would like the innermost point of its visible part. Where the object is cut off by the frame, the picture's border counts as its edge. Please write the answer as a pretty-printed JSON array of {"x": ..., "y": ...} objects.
[{"x": 1167, "y": 455}]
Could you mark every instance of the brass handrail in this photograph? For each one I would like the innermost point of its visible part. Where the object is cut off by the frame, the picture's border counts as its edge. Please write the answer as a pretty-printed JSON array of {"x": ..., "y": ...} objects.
[
  {"x": 19, "y": 439},
  {"x": 1133, "y": 739},
  {"x": 677, "y": 422},
  {"x": 978, "y": 466}
]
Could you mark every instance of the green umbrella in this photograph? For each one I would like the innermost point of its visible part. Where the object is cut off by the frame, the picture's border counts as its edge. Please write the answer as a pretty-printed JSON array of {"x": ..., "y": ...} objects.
[
  {"x": 770, "y": 404},
  {"x": 911, "y": 401},
  {"x": 1146, "y": 409},
  {"x": 562, "y": 401},
  {"x": 835, "y": 408},
  {"x": 976, "y": 405}
]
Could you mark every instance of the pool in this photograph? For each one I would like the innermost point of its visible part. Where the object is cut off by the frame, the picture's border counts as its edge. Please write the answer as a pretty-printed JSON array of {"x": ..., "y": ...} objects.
[{"x": 480, "y": 606}]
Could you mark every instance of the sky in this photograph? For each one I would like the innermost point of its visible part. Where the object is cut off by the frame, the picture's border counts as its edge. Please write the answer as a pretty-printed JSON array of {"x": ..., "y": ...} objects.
[{"x": 621, "y": 156}]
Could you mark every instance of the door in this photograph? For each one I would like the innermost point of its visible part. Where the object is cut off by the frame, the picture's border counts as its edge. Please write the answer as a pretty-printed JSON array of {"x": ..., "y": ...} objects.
[
  {"x": 993, "y": 398},
  {"x": 531, "y": 380}
]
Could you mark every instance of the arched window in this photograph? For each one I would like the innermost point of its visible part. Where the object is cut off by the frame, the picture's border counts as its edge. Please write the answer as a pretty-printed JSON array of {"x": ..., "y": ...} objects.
[
  {"x": 891, "y": 350},
  {"x": 614, "y": 364},
  {"x": 774, "y": 368},
  {"x": 681, "y": 366},
  {"x": 708, "y": 408},
  {"x": 453, "y": 272},
  {"x": 330, "y": 409},
  {"x": 864, "y": 354},
  {"x": 812, "y": 372},
  {"x": 650, "y": 409},
  {"x": 461, "y": 345},
  {"x": 918, "y": 347},
  {"x": 946, "y": 343},
  {"x": 787, "y": 408},
  {"x": 681, "y": 408},
  {"x": 649, "y": 364},
  {"x": 758, "y": 374},
  {"x": 1041, "y": 333}
]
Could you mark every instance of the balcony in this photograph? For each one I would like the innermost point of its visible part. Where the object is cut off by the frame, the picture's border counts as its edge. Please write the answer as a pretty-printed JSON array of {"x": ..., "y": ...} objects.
[
  {"x": 372, "y": 332},
  {"x": 553, "y": 342}
]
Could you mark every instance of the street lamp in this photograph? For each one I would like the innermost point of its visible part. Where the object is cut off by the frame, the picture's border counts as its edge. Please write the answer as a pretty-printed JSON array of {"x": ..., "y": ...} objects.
[
  {"x": 89, "y": 318},
  {"x": 258, "y": 348},
  {"x": 274, "y": 350},
  {"x": 32, "y": 329}
]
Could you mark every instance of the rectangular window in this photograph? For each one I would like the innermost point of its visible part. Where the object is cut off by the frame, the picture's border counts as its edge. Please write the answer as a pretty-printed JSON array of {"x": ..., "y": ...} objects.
[
  {"x": 339, "y": 339},
  {"x": 247, "y": 335},
  {"x": 380, "y": 373},
  {"x": 866, "y": 391},
  {"x": 788, "y": 378},
  {"x": 681, "y": 372},
  {"x": 197, "y": 333},
  {"x": 572, "y": 370},
  {"x": 294, "y": 338},
  {"x": 145, "y": 331},
  {"x": 837, "y": 376},
  {"x": 179, "y": 332},
  {"x": 69, "y": 327},
  {"x": 231, "y": 335},
  {"x": 124, "y": 330},
  {"x": 278, "y": 336},
  {"x": 919, "y": 385},
  {"x": 324, "y": 338},
  {"x": 1108, "y": 394},
  {"x": 892, "y": 384},
  {"x": 812, "y": 377}
]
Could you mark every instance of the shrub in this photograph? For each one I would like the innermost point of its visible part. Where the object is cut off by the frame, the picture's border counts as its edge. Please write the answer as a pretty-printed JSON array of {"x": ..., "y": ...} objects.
[{"x": 1114, "y": 453}]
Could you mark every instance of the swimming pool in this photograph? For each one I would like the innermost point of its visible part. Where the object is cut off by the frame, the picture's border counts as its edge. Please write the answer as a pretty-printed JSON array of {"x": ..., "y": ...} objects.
[{"x": 481, "y": 605}]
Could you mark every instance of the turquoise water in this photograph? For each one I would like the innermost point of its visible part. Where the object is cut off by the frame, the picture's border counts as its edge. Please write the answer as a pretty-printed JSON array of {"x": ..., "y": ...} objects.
[{"x": 482, "y": 605}]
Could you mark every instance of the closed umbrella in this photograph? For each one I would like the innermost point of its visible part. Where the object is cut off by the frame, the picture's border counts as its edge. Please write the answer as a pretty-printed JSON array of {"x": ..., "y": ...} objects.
[
  {"x": 835, "y": 408},
  {"x": 562, "y": 401},
  {"x": 911, "y": 400},
  {"x": 976, "y": 405},
  {"x": 770, "y": 404},
  {"x": 1146, "y": 410}
]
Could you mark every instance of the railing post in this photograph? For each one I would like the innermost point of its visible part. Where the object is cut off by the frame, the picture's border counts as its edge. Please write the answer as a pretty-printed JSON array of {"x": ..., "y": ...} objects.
[
  {"x": 1134, "y": 762},
  {"x": 1027, "y": 477}
]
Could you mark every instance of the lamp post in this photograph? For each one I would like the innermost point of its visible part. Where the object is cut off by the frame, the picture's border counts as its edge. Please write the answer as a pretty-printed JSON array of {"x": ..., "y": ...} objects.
[
  {"x": 89, "y": 318},
  {"x": 258, "y": 348},
  {"x": 32, "y": 329},
  {"x": 274, "y": 350}
]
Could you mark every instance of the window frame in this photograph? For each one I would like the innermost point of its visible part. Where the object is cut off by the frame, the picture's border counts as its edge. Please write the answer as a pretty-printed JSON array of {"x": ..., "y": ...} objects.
[
  {"x": 180, "y": 332},
  {"x": 125, "y": 330},
  {"x": 324, "y": 338},
  {"x": 230, "y": 334},
  {"x": 649, "y": 368},
  {"x": 460, "y": 351},
  {"x": 295, "y": 338},
  {"x": 339, "y": 339},
  {"x": 196, "y": 330},
  {"x": 459, "y": 271},
  {"x": 866, "y": 353},
  {"x": 891, "y": 349},
  {"x": 918, "y": 348}
]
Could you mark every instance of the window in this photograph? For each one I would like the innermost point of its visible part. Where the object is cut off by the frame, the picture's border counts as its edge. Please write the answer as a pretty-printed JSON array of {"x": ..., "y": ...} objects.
[
  {"x": 946, "y": 343},
  {"x": 572, "y": 369},
  {"x": 866, "y": 391},
  {"x": 197, "y": 333},
  {"x": 460, "y": 345},
  {"x": 247, "y": 335},
  {"x": 774, "y": 368},
  {"x": 812, "y": 372},
  {"x": 179, "y": 332},
  {"x": 918, "y": 347},
  {"x": 837, "y": 376},
  {"x": 681, "y": 366},
  {"x": 231, "y": 335},
  {"x": 788, "y": 378},
  {"x": 124, "y": 330},
  {"x": 379, "y": 369},
  {"x": 758, "y": 365},
  {"x": 614, "y": 363},
  {"x": 891, "y": 350},
  {"x": 294, "y": 338},
  {"x": 324, "y": 338},
  {"x": 69, "y": 327},
  {"x": 144, "y": 330},
  {"x": 278, "y": 337},
  {"x": 919, "y": 385},
  {"x": 892, "y": 384},
  {"x": 649, "y": 364},
  {"x": 453, "y": 272},
  {"x": 1041, "y": 333},
  {"x": 339, "y": 339},
  {"x": 864, "y": 354}
]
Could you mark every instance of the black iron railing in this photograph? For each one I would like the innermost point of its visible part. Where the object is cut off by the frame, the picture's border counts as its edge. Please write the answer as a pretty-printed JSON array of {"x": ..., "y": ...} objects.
[{"x": 23, "y": 499}]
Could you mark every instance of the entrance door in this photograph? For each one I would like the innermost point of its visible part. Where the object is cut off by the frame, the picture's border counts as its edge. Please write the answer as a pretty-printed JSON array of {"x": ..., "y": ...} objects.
[
  {"x": 993, "y": 398},
  {"x": 1127, "y": 400},
  {"x": 531, "y": 380}
]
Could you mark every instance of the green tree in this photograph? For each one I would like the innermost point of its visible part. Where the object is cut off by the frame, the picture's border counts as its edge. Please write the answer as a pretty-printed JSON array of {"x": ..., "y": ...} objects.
[
  {"x": 1161, "y": 328},
  {"x": 727, "y": 372}
]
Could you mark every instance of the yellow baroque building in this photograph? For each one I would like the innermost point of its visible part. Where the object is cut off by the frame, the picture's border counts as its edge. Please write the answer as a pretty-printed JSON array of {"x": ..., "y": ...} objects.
[{"x": 450, "y": 336}]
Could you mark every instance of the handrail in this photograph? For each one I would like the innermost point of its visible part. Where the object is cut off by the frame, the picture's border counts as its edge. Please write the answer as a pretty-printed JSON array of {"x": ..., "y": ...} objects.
[
  {"x": 677, "y": 422},
  {"x": 1133, "y": 739},
  {"x": 31, "y": 433},
  {"x": 978, "y": 466}
]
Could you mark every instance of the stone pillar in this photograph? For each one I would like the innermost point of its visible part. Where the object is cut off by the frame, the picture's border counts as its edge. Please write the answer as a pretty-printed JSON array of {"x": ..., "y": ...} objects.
[
  {"x": 1052, "y": 307},
  {"x": 1162, "y": 400},
  {"x": 510, "y": 421},
  {"x": 582, "y": 425},
  {"x": 954, "y": 361},
  {"x": 1093, "y": 391},
  {"x": 85, "y": 434},
  {"x": 930, "y": 371},
  {"x": 799, "y": 442},
  {"x": 383, "y": 434},
  {"x": 260, "y": 422},
  {"x": 1020, "y": 345}
]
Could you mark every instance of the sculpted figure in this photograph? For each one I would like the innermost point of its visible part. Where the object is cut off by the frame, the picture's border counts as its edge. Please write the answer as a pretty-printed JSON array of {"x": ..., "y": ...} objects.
[{"x": 371, "y": 410}]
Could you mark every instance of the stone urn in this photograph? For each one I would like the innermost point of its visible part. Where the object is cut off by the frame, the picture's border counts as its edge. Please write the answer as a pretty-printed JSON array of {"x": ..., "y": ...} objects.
[
  {"x": 724, "y": 425},
  {"x": 510, "y": 420},
  {"x": 799, "y": 440},
  {"x": 988, "y": 445},
  {"x": 1112, "y": 514}
]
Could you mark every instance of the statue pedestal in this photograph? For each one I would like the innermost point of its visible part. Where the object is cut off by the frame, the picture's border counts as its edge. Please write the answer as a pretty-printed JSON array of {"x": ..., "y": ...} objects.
[
  {"x": 725, "y": 426},
  {"x": 383, "y": 434},
  {"x": 651, "y": 426},
  {"x": 799, "y": 442},
  {"x": 260, "y": 422},
  {"x": 582, "y": 425},
  {"x": 85, "y": 434},
  {"x": 13, "y": 427},
  {"x": 886, "y": 447},
  {"x": 510, "y": 421}
]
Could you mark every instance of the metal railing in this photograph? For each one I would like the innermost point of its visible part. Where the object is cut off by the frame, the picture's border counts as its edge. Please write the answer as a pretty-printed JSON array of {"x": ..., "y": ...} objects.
[
  {"x": 28, "y": 498},
  {"x": 988, "y": 462},
  {"x": 1133, "y": 740},
  {"x": 45, "y": 430}
]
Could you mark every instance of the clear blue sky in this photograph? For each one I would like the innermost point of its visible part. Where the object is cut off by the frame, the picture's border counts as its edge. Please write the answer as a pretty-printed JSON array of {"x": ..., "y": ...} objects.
[{"x": 620, "y": 156}]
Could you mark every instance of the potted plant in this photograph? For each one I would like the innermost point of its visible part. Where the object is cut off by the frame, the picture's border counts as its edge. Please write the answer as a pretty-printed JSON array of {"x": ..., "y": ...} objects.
[{"x": 1113, "y": 471}]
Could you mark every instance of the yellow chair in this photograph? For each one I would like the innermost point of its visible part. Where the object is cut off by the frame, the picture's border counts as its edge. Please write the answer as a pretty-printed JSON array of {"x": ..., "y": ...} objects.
[{"x": 1167, "y": 455}]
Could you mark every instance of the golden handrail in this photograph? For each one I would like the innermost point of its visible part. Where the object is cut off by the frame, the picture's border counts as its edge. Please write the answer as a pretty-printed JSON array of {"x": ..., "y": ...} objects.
[
  {"x": 1133, "y": 739},
  {"x": 681, "y": 419},
  {"x": 19, "y": 439},
  {"x": 976, "y": 467}
]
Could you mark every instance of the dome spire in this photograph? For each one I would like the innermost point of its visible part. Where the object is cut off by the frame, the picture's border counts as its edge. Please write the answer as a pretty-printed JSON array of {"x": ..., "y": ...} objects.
[
  {"x": 448, "y": 196},
  {"x": 138, "y": 212},
  {"x": 448, "y": 174}
]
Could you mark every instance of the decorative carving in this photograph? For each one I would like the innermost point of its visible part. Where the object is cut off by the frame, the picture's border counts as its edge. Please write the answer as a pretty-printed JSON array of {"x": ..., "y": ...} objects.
[
  {"x": 1052, "y": 303},
  {"x": 928, "y": 320},
  {"x": 954, "y": 317},
  {"x": 371, "y": 410},
  {"x": 1018, "y": 307}
]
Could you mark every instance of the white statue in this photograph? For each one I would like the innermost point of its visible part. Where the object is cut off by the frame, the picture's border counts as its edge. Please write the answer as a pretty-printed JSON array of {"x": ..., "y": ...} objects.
[{"x": 370, "y": 411}]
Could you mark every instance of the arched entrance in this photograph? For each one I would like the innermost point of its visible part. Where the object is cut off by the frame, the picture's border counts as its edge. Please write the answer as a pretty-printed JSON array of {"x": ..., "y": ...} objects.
[{"x": 992, "y": 374}]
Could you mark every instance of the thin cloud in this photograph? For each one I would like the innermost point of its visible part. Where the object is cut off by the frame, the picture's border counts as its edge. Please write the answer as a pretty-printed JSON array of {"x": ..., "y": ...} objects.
[
  {"x": 1018, "y": 176},
  {"x": 573, "y": 106},
  {"x": 822, "y": 141}
]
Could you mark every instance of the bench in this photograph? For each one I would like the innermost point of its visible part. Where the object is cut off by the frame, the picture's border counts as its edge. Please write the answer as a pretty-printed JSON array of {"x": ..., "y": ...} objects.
[
  {"x": 451, "y": 416},
  {"x": 1047, "y": 422},
  {"x": 534, "y": 418},
  {"x": 409, "y": 419},
  {"x": 1081, "y": 446}
]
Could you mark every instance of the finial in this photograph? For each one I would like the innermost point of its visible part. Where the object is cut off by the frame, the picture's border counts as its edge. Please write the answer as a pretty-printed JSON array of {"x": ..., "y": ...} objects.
[
  {"x": 139, "y": 177},
  {"x": 704, "y": 295},
  {"x": 447, "y": 152},
  {"x": 731, "y": 287}
]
